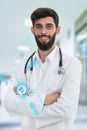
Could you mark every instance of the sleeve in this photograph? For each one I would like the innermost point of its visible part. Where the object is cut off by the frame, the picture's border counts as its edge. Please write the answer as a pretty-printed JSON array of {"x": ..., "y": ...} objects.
[
  {"x": 66, "y": 106},
  {"x": 23, "y": 104}
]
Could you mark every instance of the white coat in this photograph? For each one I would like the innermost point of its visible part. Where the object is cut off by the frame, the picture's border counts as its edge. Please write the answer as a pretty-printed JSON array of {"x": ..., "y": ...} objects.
[{"x": 44, "y": 78}]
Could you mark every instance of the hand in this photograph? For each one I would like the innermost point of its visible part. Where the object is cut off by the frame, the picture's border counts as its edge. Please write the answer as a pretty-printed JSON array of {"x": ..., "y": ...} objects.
[{"x": 51, "y": 98}]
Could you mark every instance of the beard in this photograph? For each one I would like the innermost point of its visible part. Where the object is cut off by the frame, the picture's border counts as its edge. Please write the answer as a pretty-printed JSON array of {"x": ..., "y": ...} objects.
[{"x": 45, "y": 45}]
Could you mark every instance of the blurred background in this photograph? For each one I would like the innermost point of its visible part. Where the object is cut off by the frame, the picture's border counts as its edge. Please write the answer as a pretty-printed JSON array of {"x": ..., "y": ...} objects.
[{"x": 16, "y": 41}]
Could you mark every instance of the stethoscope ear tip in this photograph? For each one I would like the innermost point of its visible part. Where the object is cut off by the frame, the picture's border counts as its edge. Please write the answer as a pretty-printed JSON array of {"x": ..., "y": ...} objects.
[{"x": 61, "y": 70}]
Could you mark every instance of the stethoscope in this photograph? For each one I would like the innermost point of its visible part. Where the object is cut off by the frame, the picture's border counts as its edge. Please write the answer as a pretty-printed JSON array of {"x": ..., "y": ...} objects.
[{"x": 60, "y": 68}]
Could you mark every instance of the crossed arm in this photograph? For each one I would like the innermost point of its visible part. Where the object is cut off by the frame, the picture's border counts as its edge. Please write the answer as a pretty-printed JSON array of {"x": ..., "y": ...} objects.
[{"x": 49, "y": 99}]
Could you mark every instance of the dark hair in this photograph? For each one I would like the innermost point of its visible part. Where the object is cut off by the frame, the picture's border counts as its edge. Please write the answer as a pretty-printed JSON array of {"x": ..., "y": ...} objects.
[{"x": 44, "y": 12}]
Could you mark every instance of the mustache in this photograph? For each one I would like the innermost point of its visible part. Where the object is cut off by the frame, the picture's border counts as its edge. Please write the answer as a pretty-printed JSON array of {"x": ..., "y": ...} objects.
[{"x": 43, "y": 35}]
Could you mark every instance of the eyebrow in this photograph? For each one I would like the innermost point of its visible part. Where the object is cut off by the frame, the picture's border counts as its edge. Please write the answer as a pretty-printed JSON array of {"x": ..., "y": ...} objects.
[{"x": 44, "y": 24}]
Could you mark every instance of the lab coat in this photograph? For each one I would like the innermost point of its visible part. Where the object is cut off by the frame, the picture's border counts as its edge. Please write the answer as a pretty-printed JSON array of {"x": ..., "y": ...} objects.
[{"x": 59, "y": 115}]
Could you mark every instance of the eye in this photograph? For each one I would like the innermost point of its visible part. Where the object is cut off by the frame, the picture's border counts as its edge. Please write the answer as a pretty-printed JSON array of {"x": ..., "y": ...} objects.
[
  {"x": 49, "y": 26},
  {"x": 38, "y": 26}
]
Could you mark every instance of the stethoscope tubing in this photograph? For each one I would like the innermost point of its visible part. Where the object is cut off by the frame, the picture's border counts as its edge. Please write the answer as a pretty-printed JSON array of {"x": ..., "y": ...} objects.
[{"x": 60, "y": 70}]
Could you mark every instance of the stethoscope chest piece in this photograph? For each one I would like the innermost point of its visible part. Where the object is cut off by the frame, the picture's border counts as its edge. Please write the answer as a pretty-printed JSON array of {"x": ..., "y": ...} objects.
[{"x": 61, "y": 70}]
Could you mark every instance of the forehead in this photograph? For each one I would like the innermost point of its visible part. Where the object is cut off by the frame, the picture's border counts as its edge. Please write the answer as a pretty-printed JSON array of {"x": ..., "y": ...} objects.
[{"x": 45, "y": 20}]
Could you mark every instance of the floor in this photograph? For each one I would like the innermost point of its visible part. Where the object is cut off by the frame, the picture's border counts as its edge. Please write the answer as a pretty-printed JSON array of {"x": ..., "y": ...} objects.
[{"x": 13, "y": 122}]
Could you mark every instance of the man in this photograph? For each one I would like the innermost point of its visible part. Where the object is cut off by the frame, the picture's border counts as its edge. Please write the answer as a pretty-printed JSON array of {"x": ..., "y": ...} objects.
[{"x": 58, "y": 92}]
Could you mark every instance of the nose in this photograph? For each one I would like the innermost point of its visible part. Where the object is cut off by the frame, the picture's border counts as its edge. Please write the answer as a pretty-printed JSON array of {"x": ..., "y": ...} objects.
[{"x": 44, "y": 30}]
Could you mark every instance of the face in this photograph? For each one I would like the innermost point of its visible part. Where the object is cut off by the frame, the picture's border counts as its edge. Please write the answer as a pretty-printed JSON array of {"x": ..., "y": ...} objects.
[{"x": 45, "y": 32}]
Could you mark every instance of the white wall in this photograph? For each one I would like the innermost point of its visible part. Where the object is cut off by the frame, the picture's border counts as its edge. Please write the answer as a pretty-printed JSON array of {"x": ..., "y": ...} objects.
[{"x": 67, "y": 43}]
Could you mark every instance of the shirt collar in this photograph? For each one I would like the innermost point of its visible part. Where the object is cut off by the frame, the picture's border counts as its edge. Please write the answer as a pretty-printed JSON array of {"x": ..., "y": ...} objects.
[{"x": 50, "y": 56}]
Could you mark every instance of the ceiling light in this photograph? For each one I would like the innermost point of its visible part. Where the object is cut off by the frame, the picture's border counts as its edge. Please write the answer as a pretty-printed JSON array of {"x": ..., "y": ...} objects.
[
  {"x": 81, "y": 37},
  {"x": 27, "y": 22}
]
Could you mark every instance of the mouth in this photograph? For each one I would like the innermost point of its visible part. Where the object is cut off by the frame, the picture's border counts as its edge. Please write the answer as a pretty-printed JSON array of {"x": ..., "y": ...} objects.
[{"x": 43, "y": 38}]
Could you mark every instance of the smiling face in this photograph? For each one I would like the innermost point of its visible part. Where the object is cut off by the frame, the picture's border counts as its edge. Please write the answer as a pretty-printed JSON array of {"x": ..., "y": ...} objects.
[{"x": 45, "y": 31}]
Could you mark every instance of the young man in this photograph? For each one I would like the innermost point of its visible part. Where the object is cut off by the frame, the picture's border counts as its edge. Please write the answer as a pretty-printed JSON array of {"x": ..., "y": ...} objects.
[{"x": 56, "y": 90}]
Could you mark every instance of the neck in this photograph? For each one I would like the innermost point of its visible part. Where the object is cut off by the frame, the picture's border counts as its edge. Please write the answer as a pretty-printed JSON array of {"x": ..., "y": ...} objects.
[{"x": 44, "y": 54}]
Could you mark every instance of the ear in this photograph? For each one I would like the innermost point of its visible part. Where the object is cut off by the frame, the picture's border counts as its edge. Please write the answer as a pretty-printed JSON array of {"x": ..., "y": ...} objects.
[
  {"x": 32, "y": 30},
  {"x": 58, "y": 30}
]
